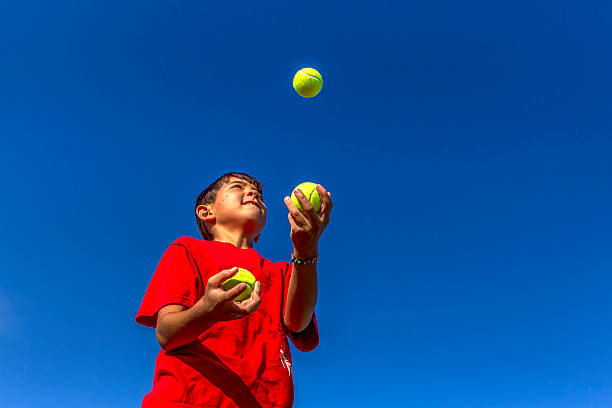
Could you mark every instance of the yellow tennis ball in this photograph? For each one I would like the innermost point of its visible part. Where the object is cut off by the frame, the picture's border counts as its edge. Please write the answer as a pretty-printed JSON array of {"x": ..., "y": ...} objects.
[
  {"x": 242, "y": 275},
  {"x": 308, "y": 82},
  {"x": 312, "y": 194}
]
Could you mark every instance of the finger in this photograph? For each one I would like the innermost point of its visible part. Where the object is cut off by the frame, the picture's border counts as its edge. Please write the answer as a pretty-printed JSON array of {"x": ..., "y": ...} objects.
[
  {"x": 299, "y": 218},
  {"x": 307, "y": 212},
  {"x": 291, "y": 205},
  {"x": 325, "y": 214},
  {"x": 244, "y": 308},
  {"x": 218, "y": 279},
  {"x": 254, "y": 306},
  {"x": 326, "y": 202},
  {"x": 257, "y": 290},
  {"x": 254, "y": 300},
  {"x": 234, "y": 292},
  {"x": 322, "y": 191},
  {"x": 293, "y": 224},
  {"x": 304, "y": 201},
  {"x": 256, "y": 295}
]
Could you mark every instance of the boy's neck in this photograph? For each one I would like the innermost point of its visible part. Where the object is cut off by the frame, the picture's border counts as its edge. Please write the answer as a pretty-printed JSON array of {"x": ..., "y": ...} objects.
[{"x": 239, "y": 240}]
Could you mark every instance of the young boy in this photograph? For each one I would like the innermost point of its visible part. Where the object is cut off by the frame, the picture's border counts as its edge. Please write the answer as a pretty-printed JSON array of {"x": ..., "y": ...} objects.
[{"x": 217, "y": 352}]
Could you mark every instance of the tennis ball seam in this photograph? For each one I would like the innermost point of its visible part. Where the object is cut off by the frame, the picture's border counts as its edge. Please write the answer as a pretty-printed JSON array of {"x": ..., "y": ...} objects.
[
  {"x": 311, "y": 76},
  {"x": 311, "y": 193}
]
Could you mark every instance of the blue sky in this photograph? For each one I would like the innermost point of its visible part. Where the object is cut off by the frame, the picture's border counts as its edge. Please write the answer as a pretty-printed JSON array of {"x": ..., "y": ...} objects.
[{"x": 467, "y": 146}]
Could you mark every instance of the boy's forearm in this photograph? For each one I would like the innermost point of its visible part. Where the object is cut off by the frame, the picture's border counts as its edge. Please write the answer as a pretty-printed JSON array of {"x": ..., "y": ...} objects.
[
  {"x": 180, "y": 328},
  {"x": 301, "y": 297}
]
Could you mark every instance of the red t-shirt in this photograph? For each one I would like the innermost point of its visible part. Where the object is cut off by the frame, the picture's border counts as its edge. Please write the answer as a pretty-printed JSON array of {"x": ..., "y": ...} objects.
[{"x": 244, "y": 362}]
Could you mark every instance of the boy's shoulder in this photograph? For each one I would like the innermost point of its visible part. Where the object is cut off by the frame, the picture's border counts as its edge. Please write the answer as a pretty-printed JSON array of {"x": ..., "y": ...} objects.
[
  {"x": 185, "y": 240},
  {"x": 191, "y": 243}
]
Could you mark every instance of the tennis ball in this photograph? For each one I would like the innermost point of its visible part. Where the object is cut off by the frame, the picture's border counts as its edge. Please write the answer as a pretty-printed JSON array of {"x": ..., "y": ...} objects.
[
  {"x": 311, "y": 193},
  {"x": 308, "y": 82},
  {"x": 242, "y": 275}
]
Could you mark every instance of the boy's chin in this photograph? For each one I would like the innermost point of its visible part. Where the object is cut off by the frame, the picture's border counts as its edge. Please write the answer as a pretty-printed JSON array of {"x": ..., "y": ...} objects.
[
  {"x": 256, "y": 218},
  {"x": 252, "y": 207},
  {"x": 254, "y": 212}
]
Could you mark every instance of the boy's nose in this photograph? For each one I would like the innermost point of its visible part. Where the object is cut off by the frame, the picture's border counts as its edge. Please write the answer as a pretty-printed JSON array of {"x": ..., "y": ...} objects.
[{"x": 254, "y": 193}]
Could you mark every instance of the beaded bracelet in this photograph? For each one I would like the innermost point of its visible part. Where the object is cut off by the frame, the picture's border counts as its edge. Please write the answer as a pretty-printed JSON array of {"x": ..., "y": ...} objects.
[{"x": 304, "y": 261}]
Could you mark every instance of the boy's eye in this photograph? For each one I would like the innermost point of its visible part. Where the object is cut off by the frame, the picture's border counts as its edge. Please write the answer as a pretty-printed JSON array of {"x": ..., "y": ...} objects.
[{"x": 237, "y": 185}]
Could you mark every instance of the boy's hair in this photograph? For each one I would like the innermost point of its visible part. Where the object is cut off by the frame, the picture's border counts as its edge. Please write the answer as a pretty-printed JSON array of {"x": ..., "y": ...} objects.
[{"x": 209, "y": 195}]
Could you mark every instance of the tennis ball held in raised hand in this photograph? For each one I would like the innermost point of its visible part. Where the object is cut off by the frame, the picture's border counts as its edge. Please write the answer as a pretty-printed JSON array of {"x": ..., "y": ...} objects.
[
  {"x": 241, "y": 276},
  {"x": 308, "y": 82},
  {"x": 312, "y": 194}
]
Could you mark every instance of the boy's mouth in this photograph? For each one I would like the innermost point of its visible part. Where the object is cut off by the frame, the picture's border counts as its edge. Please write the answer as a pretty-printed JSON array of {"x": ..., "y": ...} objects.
[{"x": 255, "y": 203}]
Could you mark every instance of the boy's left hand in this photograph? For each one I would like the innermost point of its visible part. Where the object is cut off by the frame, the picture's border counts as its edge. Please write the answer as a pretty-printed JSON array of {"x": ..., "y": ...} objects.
[{"x": 307, "y": 227}]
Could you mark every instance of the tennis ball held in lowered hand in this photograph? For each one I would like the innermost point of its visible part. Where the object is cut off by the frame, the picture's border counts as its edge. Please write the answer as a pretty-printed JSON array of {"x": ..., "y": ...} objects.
[
  {"x": 312, "y": 194},
  {"x": 241, "y": 276},
  {"x": 308, "y": 82}
]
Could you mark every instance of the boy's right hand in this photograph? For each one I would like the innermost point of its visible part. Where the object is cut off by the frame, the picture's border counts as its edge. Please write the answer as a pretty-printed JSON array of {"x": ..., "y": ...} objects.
[{"x": 220, "y": 303}]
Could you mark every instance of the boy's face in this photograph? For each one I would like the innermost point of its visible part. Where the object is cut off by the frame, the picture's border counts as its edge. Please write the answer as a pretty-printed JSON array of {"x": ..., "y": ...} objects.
[{"x": 239, "y": 205}]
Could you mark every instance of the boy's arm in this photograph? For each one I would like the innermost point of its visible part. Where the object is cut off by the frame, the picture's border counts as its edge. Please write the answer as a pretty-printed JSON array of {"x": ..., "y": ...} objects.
[
  {"x": 178, "y": 326},
  {"x": 306, "y": 229},
  {"x": 301, "y": 295}
]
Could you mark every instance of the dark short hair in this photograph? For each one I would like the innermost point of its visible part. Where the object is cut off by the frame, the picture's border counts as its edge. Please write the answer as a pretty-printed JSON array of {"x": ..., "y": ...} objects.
[{"x": 209, "y": 195}]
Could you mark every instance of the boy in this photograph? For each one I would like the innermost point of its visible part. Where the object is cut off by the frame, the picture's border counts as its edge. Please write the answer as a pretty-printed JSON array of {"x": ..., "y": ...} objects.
[{"x": 217, "y": 352}]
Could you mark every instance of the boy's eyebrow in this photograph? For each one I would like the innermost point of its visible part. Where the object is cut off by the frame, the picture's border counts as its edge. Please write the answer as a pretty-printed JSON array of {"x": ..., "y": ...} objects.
[{"x": 244, "y": 183}]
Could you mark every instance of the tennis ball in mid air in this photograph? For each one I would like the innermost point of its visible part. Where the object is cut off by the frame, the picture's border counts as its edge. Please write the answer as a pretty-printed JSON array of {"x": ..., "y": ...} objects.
[
  {"x": 308, "y": 82},
  {"x": 311, "y": 193},
  {"x": 242, "y": 275}
]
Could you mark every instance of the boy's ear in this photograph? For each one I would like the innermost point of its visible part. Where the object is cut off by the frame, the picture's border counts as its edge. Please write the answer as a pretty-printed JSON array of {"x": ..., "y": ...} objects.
[
  {"x": 257, "y": 238},
  {"x": 205, "y": 213}
]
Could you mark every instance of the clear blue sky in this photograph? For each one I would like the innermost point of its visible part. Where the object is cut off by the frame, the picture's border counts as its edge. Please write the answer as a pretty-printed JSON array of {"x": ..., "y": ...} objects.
[{"x": 467, "y": 146}]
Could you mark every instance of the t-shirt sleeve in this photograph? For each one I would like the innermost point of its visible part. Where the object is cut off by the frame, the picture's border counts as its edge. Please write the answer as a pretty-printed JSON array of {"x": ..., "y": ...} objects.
[
  {"x": 307, "y": 339},
  {"x": 175, "y": 281}
]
